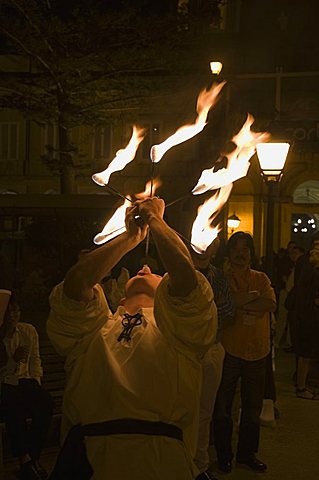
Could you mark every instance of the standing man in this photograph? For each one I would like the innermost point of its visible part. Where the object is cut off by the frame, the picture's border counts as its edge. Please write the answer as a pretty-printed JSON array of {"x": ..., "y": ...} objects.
[
  {"x": 22, "y": 396},
  {"x": 134, "y": 377},
  {"x": 247, "y": 344}
]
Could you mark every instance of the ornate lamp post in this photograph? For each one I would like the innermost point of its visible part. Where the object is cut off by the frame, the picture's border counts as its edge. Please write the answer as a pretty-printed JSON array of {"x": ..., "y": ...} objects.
[
  {"x": 216, "y": 67},
  {"x": 233, "y": 222},
  {"x": 272, "y": 158}
]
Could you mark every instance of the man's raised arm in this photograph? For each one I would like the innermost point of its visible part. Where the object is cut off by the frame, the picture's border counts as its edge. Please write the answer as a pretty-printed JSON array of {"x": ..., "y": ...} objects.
[
  {"x": 92, "y": 267},
  {"x": 172, "y": 251}
]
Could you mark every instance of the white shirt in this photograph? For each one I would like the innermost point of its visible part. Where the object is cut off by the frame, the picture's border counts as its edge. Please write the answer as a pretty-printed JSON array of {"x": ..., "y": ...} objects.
[
  {"x": 156, "y": 377},
  {"x": 24, "y": 335}
]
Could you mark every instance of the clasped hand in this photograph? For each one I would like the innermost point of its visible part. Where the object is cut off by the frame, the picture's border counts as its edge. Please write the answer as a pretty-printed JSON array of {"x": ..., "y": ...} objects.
[
  {"x": 21, "y": 354},
  {"x": 140, "y": 214}
]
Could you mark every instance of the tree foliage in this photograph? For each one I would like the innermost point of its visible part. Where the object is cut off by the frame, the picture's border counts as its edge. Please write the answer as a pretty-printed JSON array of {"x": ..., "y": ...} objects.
[{"x": 89, "y": 61}]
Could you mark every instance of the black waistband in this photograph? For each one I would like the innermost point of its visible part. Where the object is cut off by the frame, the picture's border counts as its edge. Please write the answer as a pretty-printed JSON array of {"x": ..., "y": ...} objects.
[{"x": 132, "y": 426}]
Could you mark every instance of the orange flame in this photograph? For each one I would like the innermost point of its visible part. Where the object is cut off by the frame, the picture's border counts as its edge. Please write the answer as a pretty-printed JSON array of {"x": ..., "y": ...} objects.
[
  {"x": 149, "y": 189},
  {"x": 122, "y": 157},
  {"x": 238, "y": 160},
  {"x": 206, "y": 100},
  {"x": 116, "y": 224},
  {"x": 114, "y": 227},
  {"x": 203, "y": 234}
]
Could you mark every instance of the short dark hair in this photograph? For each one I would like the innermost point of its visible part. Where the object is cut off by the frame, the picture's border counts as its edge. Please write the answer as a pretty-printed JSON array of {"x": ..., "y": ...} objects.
[{"x": 233, "y": 240}]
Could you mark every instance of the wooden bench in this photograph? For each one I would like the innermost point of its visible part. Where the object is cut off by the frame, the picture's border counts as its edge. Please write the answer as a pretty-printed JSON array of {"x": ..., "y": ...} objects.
[{"x": 53, "y": 381}]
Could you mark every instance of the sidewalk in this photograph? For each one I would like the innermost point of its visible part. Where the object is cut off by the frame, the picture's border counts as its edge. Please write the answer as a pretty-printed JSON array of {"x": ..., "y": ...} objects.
[{"x": 291, "y": 450}]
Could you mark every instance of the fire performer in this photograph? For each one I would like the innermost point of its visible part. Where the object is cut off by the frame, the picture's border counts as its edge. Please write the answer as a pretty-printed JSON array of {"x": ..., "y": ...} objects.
[{"x": 132, "y": 397}]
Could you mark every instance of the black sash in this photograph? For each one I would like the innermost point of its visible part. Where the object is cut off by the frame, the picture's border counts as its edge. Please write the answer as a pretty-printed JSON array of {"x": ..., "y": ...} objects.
[{"x": 72, "y": 462}]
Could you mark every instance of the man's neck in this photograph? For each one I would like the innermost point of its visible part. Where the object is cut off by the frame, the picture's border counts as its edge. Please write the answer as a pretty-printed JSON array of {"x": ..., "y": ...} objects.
[
  {"x": 239, "y": 269},
  {"x": 133, "y": 304}
]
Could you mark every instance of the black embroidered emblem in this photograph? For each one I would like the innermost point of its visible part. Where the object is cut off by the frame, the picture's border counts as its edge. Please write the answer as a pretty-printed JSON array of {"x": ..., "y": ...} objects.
[{"x": 129, "y": 322}]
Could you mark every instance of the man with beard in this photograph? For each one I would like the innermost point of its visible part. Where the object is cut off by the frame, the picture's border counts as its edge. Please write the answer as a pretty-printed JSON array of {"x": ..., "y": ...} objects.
[{"x": 247, "y": 343}]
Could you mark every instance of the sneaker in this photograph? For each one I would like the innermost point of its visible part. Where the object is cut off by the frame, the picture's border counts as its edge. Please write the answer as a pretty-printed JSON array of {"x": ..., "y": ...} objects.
[{"x": 28, "y": 472}]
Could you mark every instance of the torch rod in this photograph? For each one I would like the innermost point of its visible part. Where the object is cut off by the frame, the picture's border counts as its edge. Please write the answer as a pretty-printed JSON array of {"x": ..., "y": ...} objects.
[
  {"x": 147, "y": 244},
  {"x": 118, "y": 193},
  {"x": 179, "y": 199}
]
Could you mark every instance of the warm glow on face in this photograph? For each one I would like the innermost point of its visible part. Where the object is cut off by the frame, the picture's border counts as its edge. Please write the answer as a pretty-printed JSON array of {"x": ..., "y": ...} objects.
[
  {"x": 203, "y": 234},
  {"x": 272, "y": 157},
  {"x": 122, "y": 158},
  {"x": 206, "y": 100},
  {"x": 238, "y": 160}
]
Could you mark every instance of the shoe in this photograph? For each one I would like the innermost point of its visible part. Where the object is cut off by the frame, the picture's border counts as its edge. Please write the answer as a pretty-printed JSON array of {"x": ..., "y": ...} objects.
[
  {"x": 307, "y": 394},
  {"x": 206, "y": 476},
  {"x": 225, "y": 467},
  {"x": 40, "y": 469},
  {"x": 28, "y": 472},
  {"x": 253, "y": 463}
]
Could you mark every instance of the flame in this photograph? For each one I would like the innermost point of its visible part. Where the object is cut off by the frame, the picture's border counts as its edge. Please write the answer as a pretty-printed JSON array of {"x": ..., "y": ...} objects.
[
  {"x": 206, "y": 100},
  {"x": 116, "y": 224},
  {"x": 203, "y": 234},
  {"x": 150, "y": 189},
  {"x": 122, "y": 157},
  {"x": 238, "y": 160}
]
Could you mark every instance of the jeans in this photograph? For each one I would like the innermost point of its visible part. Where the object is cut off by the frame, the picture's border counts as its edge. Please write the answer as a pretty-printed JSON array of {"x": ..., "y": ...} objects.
[{"x": 252, "y": 375}]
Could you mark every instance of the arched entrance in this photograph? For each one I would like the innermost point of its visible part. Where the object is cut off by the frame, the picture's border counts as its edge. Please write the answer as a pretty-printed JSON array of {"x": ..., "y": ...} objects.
[{"x": 305, "y": 212}]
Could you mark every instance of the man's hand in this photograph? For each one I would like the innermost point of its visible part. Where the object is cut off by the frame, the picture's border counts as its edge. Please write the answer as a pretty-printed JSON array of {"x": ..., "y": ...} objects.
[
  {"x": 150, "y": 208},
  {"x": 136, "y": 230},
  {"x": 21, "y": 354}
]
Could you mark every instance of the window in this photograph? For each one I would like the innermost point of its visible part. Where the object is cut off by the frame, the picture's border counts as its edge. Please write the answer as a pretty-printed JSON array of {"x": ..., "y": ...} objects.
[
  {"x": 9, "y": 133},
  {"x": 50, "y": 140},
  {"x": 102, "y": 142}
]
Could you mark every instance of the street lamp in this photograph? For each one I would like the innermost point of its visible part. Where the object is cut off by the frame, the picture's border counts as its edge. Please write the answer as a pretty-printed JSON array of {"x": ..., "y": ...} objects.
[
  {"x": 233, "y": 222},
  {"x": 272, "y": 158},
  {"x": 216, "y": 67}
]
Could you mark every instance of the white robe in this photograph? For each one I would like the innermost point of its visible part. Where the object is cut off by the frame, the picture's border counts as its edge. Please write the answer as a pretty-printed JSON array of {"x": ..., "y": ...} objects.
[{"x": 156, "y": 376}]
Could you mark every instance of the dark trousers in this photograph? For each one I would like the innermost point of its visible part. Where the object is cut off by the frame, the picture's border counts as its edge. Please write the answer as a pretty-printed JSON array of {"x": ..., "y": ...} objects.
[
  {"x": 18, "y": 403},
  {"x": 252, "y": 375}
]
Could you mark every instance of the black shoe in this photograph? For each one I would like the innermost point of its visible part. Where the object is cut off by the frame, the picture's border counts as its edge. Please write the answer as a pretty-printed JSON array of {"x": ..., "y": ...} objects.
[
  {"x": 253, "y": 463},
  {"x": 40, "y": 469},
  {"x": 28, "y": 472},
  {"x": 225, "y": 467},
  {"x": 206, "y": 476}
]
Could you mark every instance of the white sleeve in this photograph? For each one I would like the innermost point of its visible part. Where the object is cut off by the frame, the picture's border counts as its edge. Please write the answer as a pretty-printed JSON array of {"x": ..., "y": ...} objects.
[
  {"x": 71, "y": 324},
  {"x": 190, "y": 323}
]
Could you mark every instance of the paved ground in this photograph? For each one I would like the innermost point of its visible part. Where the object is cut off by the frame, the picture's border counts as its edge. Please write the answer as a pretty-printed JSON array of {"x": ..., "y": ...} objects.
[{"x": 291, "y": 450}]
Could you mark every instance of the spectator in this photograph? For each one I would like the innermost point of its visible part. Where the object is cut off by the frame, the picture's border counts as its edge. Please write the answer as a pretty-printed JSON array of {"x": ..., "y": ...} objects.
[
  {"x": 247, "y": 344},
  {"x": 136, "y": 372},
  {"x": 282, "y": 335},
  {"x": 22, "y": 396},
  {"x": 305, "y": 296}
]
